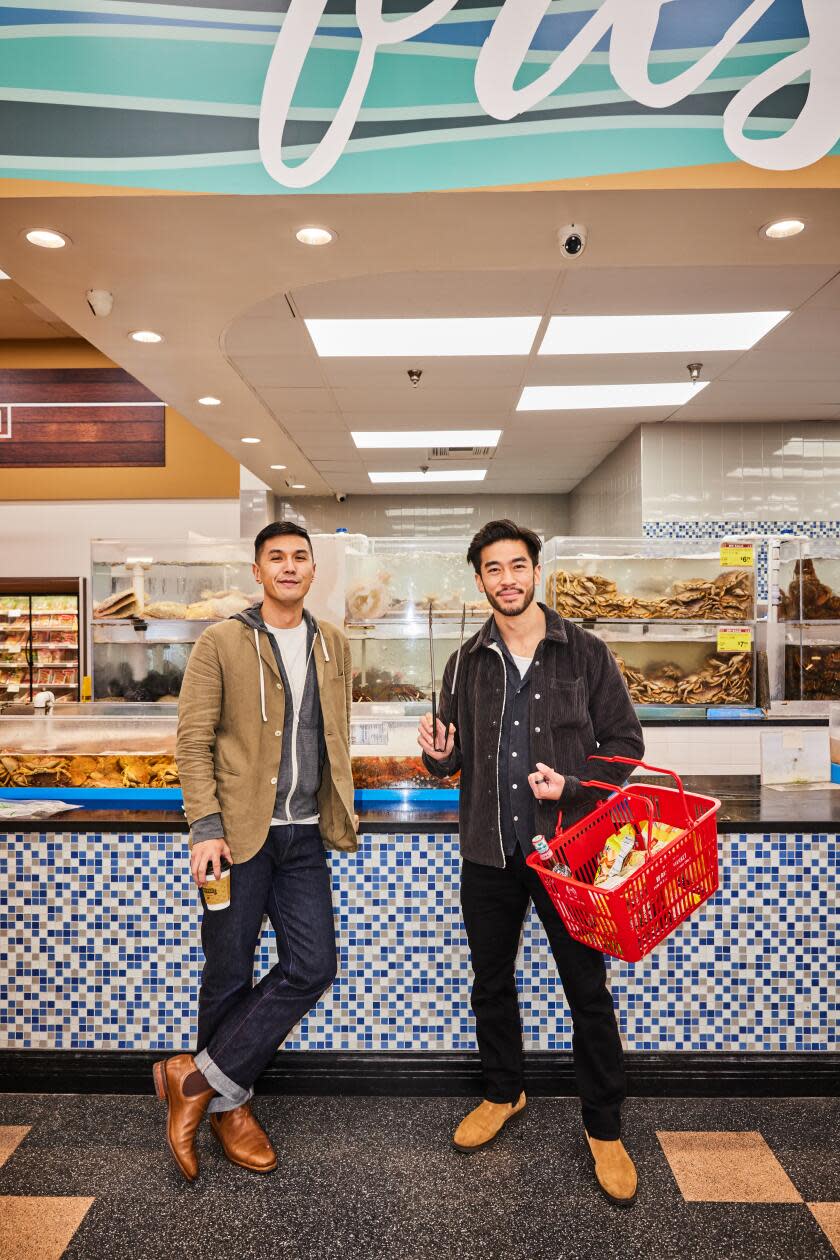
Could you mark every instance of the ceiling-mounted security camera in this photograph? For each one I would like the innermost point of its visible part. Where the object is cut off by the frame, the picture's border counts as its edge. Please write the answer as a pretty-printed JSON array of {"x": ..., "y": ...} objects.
[
  {"x": 340, "y": 497},
  {"x": 100, "y": 301},
  {"x": 572, "y": 239},
  {"x": 414, "y": 375}
]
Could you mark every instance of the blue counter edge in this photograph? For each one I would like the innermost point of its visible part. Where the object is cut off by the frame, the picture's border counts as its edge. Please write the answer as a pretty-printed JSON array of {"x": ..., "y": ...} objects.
[{"x": 170, "y": 798}]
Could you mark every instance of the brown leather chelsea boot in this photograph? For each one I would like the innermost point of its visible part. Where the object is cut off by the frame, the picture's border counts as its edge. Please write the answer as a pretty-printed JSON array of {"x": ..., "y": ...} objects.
[
  {"x": 484, "y": 1123},
  {"x": 243, "y": 1139},
  {"x": 183, "y": 1113},
  {"x": 615, "y": 1171}
]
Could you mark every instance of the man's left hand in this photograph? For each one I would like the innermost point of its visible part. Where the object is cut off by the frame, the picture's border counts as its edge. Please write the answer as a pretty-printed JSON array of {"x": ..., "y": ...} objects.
[{"x": 546, "y": 784}]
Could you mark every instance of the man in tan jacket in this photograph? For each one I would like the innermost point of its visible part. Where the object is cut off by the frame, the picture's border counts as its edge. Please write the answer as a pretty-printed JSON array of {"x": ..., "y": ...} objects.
[{"x": 263, "y": 754}]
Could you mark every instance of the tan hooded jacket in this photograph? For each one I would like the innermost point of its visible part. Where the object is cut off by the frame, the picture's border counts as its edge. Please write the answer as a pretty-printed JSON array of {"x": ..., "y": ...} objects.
[{"x": 230, "y": 723}]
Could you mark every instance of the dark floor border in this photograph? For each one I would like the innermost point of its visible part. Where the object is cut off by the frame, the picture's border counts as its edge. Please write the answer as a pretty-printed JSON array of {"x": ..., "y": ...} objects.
[{"x": 704, "y": 1074}]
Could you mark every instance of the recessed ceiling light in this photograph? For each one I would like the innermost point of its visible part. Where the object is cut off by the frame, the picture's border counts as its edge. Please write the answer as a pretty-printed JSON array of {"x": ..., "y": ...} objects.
[
  {"x": 382, "y": 478},
  {"x": 657, "y": 334},
  {"x": 298, "y": 485},
  {"x": 278, "y": 467},
  {"x": 47, "y": 238},
  {"x": 251, "y": 441},
  {"x": 607, "y": 397},
  {"x": 782, "y": 228},
  {"x": 4, "y": 276},
  {"x": 389, "y": 338},
  {"x": 209, "y": 401},
  {"x": 422, "y": 438},
  {"x": 312, "y": 235},
  {"x": 146, "y": 336}
]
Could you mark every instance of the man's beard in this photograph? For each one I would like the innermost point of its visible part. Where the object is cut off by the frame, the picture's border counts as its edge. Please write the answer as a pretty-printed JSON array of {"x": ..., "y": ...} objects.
[{"x": 517, "y": 610}]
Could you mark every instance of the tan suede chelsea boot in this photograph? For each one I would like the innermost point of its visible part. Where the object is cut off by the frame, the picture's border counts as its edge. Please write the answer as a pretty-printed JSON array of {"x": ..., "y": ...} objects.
[
  {"x": 243, "y": 1139},
  {"x": 184, "y": 1113},
  {"x": 485, "y": 1123},
  {"x": 615, "y": 1171}
]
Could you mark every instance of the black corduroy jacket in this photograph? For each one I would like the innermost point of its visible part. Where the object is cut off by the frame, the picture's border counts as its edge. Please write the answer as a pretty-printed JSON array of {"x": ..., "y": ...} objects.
[{"x": 580, "y": 705}]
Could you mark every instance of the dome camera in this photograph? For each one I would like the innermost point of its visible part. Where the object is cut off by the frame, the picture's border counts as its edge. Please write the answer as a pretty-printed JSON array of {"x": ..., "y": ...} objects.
[
  {"x": 339, "y": 497},
  {"x": 573, "y": 238}
]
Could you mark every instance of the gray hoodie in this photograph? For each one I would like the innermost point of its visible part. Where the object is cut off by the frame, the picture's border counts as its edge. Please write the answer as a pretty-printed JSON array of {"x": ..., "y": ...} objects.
[{"x": 302, "y": 749}]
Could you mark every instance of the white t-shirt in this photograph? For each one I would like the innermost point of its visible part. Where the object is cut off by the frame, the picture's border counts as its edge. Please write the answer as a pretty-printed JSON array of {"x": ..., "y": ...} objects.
[
  {"x": 522, "y": 663},
  {"x": 292, "y": 645}
]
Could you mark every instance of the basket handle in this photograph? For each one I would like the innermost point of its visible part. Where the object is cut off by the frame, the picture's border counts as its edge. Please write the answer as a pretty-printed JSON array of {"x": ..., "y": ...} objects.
[
  {"x": 625, "y": 795},
  {"x": 645, "y": 765}
]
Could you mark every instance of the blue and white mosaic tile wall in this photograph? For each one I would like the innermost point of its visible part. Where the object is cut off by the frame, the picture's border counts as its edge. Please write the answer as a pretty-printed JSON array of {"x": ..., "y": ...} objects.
[
  {"x": 732, "y": 529},
  {"x": 99, "y": 949}
]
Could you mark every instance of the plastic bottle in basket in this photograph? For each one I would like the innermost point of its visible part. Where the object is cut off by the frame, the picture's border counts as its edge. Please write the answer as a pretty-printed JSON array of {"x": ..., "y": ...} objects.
[{"x": 549, "y": 860}]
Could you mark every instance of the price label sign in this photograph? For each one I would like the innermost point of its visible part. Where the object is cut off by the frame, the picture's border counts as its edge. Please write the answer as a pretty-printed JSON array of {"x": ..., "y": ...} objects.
[
  {"x": 737, "y": 555},
  {"x": 734, "y": 639}
]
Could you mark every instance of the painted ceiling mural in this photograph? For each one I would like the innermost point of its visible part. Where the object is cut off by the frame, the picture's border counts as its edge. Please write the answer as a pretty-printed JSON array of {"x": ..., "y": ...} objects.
[{"x": 348, "y": 96}]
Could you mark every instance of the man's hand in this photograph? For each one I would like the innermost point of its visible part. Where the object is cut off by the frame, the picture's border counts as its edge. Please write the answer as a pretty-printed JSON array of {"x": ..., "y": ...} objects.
[
  {"x": 207, "y": 856},
  {"x": 546, "y": 784},
  {"x": 445, "y": 741}
]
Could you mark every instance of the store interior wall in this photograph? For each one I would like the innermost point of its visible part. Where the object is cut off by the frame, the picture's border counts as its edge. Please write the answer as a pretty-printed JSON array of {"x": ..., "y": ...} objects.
[
  {"x": 195, "y": 468},
  {"x": 52, "y": 539},
  {"x": 426, "y": 516},
  {"x": 608, "y": 502},
  {"x": 767, "y": 474}
]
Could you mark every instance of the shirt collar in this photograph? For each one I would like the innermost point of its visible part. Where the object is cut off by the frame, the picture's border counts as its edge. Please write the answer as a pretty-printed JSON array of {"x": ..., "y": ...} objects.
[{"x": 555, "y": 630}]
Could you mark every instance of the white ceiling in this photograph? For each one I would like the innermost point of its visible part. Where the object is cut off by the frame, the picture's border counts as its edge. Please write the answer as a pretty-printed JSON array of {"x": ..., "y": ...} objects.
[{"x": 229, "y": 287}]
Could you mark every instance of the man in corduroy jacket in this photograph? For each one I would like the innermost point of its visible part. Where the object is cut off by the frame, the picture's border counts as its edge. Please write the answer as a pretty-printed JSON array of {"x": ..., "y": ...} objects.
[{"x": 535, "y": 696}]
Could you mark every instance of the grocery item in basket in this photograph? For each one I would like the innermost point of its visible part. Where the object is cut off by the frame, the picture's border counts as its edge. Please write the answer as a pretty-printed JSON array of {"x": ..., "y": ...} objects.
[
  {"x": 550, "y": 860},
  {"x": 611, "y": 873},
  {"x": 613, "y": 856}
]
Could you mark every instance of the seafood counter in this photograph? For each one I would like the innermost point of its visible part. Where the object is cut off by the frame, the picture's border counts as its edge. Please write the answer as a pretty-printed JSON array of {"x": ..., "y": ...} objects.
[{"x": 728, "y": 597}]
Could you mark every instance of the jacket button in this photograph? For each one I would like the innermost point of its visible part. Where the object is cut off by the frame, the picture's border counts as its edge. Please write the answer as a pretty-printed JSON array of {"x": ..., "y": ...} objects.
[
  {"x": 273, "y": 781},
  {"x": 279, "y": 686},
  {"x": 278, "y": 732},
  {"x": 537, "y": 696},
  {"x": 538, "y": 729}
]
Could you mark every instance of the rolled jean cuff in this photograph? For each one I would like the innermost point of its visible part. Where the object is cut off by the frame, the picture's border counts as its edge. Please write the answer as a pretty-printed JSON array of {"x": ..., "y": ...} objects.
[{"x": 231, "y": 1094}]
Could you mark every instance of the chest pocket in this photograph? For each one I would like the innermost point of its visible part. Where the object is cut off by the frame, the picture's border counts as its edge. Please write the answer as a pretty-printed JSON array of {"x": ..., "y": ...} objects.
[{"x": 568, "y": 704}]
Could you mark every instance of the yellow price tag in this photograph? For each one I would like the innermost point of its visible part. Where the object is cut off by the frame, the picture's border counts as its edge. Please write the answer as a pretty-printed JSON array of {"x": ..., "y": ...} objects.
[
  {"x": 737, "y": 555},
  {"x": 734, "y": 639}
]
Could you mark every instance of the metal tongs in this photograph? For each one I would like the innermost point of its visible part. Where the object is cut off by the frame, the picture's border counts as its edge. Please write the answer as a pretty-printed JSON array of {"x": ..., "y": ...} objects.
[{"x": 434, "y": 675}]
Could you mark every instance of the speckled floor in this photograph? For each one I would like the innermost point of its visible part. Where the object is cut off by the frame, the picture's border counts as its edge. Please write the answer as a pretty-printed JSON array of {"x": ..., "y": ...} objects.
[{"x": 377, "y": 1179}]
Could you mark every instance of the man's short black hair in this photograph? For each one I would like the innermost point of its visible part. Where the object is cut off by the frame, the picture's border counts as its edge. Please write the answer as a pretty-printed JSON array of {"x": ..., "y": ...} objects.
[
  {"x": 503, "y": 531},
  {"x": 277, "y": 529}
]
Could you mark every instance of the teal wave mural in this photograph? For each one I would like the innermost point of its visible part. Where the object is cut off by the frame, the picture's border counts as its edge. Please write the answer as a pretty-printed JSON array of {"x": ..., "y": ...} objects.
[{"x": 284, "y": 96}]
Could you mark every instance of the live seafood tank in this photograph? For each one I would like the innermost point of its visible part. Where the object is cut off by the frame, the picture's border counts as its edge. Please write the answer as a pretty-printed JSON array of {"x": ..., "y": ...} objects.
[
  {"x": 390, "y": 586},
  {"x": 383, "y": 746},
  {"x": 808, "y": 579},
  {"x": 89, "y": 746},
  {"x": 683, "y": 665},
  {"x": 651, "y": 579},
  {"x": 151, "y": 600}
]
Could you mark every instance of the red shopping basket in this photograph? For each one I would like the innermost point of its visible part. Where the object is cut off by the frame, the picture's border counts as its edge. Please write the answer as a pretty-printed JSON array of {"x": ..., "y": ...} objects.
[{"x": 629, "y": 921}]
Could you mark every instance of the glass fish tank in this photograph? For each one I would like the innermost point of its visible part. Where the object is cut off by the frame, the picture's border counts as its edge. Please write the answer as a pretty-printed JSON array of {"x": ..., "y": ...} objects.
[
  {"x": 397, "y": 580},
  {"x": 812, "y": 662},
  {"x": 89, "y": 745},
  {"x": 383, "y": 746},
  {"x": 651, "y": 579},
  {"x": 682, "y": 666},
  {"x": 392, "y": 663},
  {"x": 808, "y": 579},
  {"x": 182, "y": 580}
]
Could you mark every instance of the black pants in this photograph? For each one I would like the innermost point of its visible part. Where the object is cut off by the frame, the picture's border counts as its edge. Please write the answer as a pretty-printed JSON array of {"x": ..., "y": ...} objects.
[{"x": 494, "y": 904}]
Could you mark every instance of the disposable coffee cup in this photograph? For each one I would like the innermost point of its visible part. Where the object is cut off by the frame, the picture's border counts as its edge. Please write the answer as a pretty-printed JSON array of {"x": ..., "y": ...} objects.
[{"x": 217, "y": 891}]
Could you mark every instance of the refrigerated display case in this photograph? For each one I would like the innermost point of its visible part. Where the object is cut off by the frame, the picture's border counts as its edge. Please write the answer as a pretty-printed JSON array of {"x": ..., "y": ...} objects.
[
  {"x": 804, "y": 630},
  {"x": 391, "y": 583},
  {"x": 684, "y": 665},
  {"x": 151, "y": 601},
  {"x": 631, "y": 579},
  {"x": 383, "y": 746},
  {"x": 40, "y": 647}
]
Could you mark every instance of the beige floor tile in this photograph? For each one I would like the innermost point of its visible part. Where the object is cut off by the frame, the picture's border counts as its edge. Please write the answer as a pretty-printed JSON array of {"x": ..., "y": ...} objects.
[
  {"x": 727, "y": 1168},
  {"x": 11, "y": 1136},
  {"x": 828, "y": 1219},
  {"x": 36, "y": 1227}
]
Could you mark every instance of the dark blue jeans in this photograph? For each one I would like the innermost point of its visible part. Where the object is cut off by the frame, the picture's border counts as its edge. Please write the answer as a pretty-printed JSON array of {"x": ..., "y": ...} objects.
[{"x": 241, "y": 1025}]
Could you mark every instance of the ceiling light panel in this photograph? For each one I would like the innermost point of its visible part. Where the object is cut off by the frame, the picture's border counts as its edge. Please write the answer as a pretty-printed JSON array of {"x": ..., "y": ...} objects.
[
  {"x": 404, "y": 478},
  {"x": 423, "y": 338},
  {"x": 607, "y": 397},
  {"x": 420, "y": 439},
  {"x": 657, "y": 334}
]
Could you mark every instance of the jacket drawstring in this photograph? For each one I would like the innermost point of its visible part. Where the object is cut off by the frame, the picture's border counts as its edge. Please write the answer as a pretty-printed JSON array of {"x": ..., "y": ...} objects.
[
  {"x": 324, "y": 645},
  {"x": 260, "y": 668}
]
